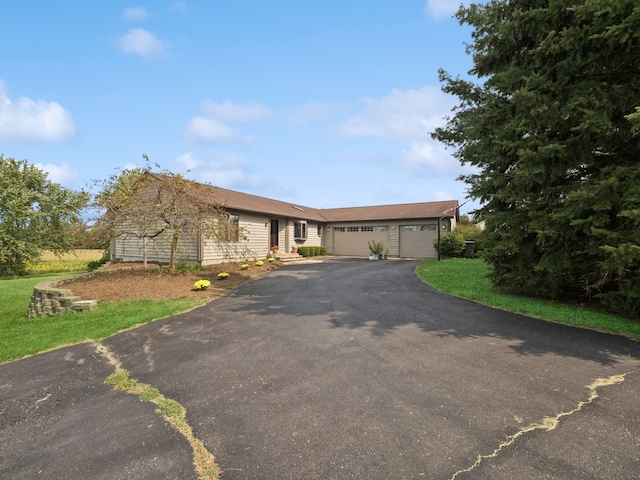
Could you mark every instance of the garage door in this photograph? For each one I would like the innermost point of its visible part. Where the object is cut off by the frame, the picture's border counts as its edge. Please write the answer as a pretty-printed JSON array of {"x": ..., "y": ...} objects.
[
  {"x": 416, "y": 241},
  {"x": 355, "y": 240}
]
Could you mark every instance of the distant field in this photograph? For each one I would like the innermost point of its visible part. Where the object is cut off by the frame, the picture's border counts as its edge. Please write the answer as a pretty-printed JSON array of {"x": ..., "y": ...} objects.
[
  {"x": 76, "y": 261},
  {"x": 75, "y": 255}
]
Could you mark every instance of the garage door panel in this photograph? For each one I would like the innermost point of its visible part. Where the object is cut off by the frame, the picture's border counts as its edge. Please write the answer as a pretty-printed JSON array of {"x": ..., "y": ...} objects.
[
  {"x": 355, "y": 240},
  {"x": 416, "y": 241}
]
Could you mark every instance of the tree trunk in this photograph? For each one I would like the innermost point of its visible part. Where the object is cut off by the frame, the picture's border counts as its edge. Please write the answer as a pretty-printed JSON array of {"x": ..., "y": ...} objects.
[
  {"x": 144, "y": 252},
  {"x": 174, "y": 252}
]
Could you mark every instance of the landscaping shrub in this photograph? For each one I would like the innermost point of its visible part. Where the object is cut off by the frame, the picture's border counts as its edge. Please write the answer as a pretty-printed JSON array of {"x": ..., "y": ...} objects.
[
  {"x": 451, "y": 244},
  {"x": 92, "y": 265},
  {"x": 312, "y": 251}
]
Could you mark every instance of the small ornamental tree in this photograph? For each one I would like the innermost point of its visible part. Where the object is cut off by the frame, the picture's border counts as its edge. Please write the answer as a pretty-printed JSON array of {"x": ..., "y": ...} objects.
[
  {"x": 35, "y": 215},
  {"x": 119, "y": 213},
  {"x": 164, "y": 207}
]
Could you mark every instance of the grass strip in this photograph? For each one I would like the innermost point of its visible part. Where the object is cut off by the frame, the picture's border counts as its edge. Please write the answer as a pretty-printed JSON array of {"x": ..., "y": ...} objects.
[
  {"x": 467, "y": 278},
  {"x": 21, "y": 336},
  {"x": 171, "y": 410}
]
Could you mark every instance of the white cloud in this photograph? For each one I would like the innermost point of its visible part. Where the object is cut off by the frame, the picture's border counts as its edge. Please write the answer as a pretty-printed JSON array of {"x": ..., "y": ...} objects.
[
  {"x": 227, "y": 170},
  {"x": 213, "y": 126},
  {"x": 187, "y": 161},
  {"x": 211, "y": 130},
  {"x": 135, "y": 13},
  {"x": 236, "y": 113},
  {"x": 428, "y": 155},
  {"x": 443, "y": 8},
  {"x": 232, "y": 171},
  {"x": 36, "y": 121},
  {"x": 404, "y": 120},
  {"x": 142, "y": 42},
  {"x": 401, "y": 115},
  {"x": 58, "y": 173}
]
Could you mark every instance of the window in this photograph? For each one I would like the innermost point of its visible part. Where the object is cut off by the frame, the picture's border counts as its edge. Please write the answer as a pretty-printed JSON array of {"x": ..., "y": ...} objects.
[
  {"x": 230, "y": 229},
  {"x": 409, "y": 228},
  {"x": 380, "y": 229},
  {"x": 366, "y": 229},
  {"x": 339, "y": 229},
  {"x": 353, "y": 229},
  {"x": 428, "y": 227},
  {"x": 300, "y": 230}
]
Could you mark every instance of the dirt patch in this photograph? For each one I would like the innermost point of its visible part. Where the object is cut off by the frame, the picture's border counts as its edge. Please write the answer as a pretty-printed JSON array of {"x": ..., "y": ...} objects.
[{"x": 129, "y": 281}]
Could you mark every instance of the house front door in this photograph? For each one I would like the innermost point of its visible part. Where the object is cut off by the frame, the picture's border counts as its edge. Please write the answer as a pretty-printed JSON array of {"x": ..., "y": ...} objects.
[{"x": 273, "y": 237}]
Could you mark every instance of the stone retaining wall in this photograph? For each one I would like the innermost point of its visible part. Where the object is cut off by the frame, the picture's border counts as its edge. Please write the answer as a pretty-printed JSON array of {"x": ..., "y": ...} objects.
[{"x": 49, "y": 299}]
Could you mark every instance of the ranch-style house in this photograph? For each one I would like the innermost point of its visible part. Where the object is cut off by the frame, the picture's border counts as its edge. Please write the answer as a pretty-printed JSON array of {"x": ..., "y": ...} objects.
[{"x": 407, "y": 229}]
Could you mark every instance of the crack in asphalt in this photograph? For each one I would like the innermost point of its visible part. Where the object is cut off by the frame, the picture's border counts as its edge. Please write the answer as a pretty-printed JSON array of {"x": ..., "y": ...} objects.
[
  {"x": 547, "y": 423},
  {"x": 173, "y": 412}
]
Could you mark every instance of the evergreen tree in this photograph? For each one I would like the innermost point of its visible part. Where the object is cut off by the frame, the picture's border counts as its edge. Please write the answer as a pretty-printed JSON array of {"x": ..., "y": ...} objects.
[{"x": 551, "y": 123}]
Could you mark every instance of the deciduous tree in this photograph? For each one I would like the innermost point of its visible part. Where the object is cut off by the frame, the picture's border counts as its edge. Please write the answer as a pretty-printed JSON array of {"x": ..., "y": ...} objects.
[
  {"x": 35, "y": 214},
  {"x": 164, "y": 207}
]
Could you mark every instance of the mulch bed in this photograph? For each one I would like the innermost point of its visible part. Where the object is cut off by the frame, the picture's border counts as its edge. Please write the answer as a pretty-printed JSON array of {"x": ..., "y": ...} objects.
[{"x": 130, "y": 281}]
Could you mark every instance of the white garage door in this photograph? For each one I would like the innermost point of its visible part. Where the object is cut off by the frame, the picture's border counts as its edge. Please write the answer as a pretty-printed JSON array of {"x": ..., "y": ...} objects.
[
  {"x": 355, "y": 240},
  {"x": 416, "y": 241}
]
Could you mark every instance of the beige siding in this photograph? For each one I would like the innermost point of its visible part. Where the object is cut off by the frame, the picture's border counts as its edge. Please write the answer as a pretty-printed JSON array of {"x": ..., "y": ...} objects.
[
  {"x": 257, "y": 231},
  {"x": 255, "y": 228},
  {"x": 130, "y": 248},
  {"x": 313, "y": 239},
  {"x": 394, "y": 240}
]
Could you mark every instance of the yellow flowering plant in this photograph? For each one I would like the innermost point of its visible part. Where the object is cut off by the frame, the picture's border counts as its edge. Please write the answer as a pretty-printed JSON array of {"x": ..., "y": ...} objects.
[
  {"x": 259, "y": 263},
  {"x": 245, "y": 266},
  {"x": 202, "y": 285},
  {"x": 223, "y": 275}
]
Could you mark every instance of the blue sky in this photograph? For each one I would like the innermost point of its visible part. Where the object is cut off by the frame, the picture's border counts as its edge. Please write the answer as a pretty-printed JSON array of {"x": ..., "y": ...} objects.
[{"x": 325, "y": 104}]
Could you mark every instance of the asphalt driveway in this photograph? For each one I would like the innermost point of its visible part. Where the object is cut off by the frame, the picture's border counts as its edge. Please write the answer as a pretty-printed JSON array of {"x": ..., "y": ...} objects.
[{"x": 340, "y": 369}]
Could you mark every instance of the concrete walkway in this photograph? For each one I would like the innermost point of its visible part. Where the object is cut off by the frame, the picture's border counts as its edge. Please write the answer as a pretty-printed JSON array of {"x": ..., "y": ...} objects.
[{"x": 340, "y": 369}]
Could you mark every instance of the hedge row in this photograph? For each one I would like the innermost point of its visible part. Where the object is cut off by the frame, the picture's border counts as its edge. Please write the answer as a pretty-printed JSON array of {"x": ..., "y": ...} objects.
[{"x": 312, "y": 251}]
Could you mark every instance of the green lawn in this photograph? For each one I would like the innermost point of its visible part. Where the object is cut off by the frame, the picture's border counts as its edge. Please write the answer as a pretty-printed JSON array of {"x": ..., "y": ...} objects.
[
  {"x": 467, "y": 278},
  {"x": 21, "y": 336}
]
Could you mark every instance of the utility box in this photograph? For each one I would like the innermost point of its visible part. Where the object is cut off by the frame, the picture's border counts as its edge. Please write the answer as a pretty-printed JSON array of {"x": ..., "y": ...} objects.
[{"x": 469, "y": 246}]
